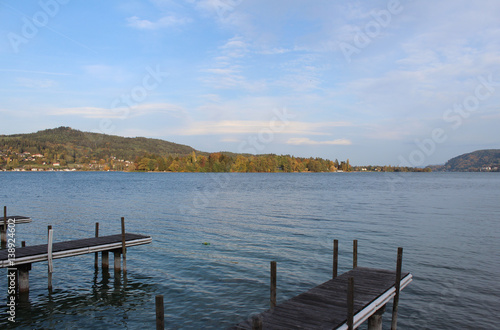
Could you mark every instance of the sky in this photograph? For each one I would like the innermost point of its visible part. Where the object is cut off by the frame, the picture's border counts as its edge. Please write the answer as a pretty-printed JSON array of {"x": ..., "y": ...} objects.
[{"x": 407, "y": 83}]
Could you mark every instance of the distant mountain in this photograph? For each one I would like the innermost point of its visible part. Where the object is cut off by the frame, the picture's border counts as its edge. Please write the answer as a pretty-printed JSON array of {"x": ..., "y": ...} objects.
[
  {"x": 480, "y": 160},
  {"x": 76, "y": 144}
]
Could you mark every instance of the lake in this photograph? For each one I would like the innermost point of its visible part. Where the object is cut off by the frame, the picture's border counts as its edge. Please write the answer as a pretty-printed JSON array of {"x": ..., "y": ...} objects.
[{"x": 447, "y": 223}]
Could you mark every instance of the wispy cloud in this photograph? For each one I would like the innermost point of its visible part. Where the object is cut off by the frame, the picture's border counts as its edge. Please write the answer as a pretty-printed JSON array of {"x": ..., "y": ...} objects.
[
  {"x": 120, "y": 112},
  {"x": 35, "y": 83},
  {"x": 307, "y": 141},
  {"x": 255, "y": 126},
  {"x": 163, "y": 22}
]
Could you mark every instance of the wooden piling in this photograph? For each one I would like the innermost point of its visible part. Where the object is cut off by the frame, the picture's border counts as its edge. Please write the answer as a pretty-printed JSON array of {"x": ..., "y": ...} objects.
[
  {"x": 160, "y": 313},
  {"x": 49, "y": 258},
  {"x": 354, "y": 253},
  {"x": 105, "y": 261},
  {"x": 350, "y": 303},
  {"x": 24, "y": 278},
  {"x": 273, "y": 285},
  {"x": 395, "y": 303},
  {"x": 96, "y": 257},
  {"x": 375, "y": 321},
  {"x": 256, "y": 322},
  {"x": 117, "y": 260},
  {"x": 124, "y": 247},
  {"x": 23, "y": 244},
  {"x": 335, "y": 257}
]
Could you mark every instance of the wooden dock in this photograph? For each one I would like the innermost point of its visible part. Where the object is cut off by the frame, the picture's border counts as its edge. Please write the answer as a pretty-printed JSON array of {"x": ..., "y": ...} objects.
[
  {"x": 18, "y": 260},
  {"x": 343, "y": 302},
  {"x": 38, "y": 253}
]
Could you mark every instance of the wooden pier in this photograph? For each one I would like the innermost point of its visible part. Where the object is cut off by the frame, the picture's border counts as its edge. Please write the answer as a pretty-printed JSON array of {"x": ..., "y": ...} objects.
[
  {"x": 343, "y": 302},
  {"x": 10, "y": 221},
  {"x": 18, "y": 260}
]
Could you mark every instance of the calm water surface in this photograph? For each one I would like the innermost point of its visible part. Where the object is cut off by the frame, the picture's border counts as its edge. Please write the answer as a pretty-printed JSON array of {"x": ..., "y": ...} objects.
[{"x": 448, "y": 224}]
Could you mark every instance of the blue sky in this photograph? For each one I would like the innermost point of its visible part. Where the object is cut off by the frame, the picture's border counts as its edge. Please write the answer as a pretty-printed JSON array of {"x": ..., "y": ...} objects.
[{"x": 378, "y": 82}]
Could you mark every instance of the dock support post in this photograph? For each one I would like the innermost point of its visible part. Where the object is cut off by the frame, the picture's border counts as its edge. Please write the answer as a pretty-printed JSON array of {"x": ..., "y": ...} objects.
[
  {"x": 49, "y": 258},
  {"x": 350, "y": 303},
  {"x": 375, "y": 321},
  {"x": 354, "y": 253},
  {"x": 105, "y": 260},
  {"x": 24, "y": 278},
  {"x": 256, "y": 322},
  {"x": 124, "y": 247},
  {"x": 96, "y": 257},
  {"x": 4, "y": 229},
  {"x": 395, "y": 303},
  {"x": 160, "y": 313},
  {"x": 335, "y": 257},
  {"x": 273, "y": 284},
  {"x": 117, "y": 260}
]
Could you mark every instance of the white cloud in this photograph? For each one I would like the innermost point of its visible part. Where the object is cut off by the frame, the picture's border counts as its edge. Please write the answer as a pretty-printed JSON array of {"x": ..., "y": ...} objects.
[
  {"x": 256, "y": 126},
  {"x": 36, "y": 83},
  {"x": 120, "y": 112},
  {"x": 163, "y": 22},
  {"x": 307, "y": 141}
]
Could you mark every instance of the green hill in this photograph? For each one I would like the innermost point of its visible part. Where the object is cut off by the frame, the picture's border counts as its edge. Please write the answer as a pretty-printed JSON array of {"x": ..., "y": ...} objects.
[
  {"x": 70, "y": 145},
  {"x": 480, "y": 160}
]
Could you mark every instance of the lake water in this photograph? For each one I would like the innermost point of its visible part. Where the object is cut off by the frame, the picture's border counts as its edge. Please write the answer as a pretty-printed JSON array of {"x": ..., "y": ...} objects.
[{"x": 447, "y": 223}]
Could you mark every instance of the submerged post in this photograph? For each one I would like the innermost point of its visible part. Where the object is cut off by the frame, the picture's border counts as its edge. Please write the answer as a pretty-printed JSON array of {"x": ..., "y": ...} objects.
[
  {"x": 124, "y": 247},
  {"x": 395, "y": 303},
  {"x": 160, "y": 313},
  {"x": 24, "y": 278},
  {"x": 335, "y": 257},
  {"x": 105, "y": 260},
  {"x": 375, "y": 321},
  {"x": 117, "y": 260},
  {"x": 354, "y": 253},
  {"x": 49, "y": 257},
  {"x": 96, "y": 257},
  {"x": 273, "y": 284},
  {"x": 350, "y": 303}
]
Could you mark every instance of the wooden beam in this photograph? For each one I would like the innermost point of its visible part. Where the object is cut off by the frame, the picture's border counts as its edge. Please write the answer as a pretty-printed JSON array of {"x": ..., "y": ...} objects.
[
  {"x": 354, "y": 253},
  {"x": 273, "y": 285},
  {"x": 160, "y": 313},
  {"x": 4, "y": 229},
  {"x": 335, "y": 257},
  {"x": 124, "y": 247},
  {"x": 49, "y": 257},
  {"x": 96, "y": 257},
  {"x": 395, "y": 303},
  {"x": 350, "y": 303}
]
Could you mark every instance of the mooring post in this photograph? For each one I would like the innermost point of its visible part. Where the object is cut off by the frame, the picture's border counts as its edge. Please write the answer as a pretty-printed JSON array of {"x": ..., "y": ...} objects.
[
  {"x": 105, "y": 261},
  {"x": 273, "y": 284},
  {"x": 256, "y": 322},
  {"x": 23, "y": 244},
  {"x": 375, "y": 321},
  {"x": 350, "y": 303},
  {"x": 4, "y": 229},
  {"x": 96, "y": 257},
  {"x": 335, "y": 257},
  {"x": 117, "y": 260},
  {"x": 160, "y": 313},
  {"x": 124, "y": 247},
  {"x": 24, "y": 278},
  {"x": 354, "y": 253},
  {"x": 49, "y": 257},
  {"x": 395, "y": 303}
]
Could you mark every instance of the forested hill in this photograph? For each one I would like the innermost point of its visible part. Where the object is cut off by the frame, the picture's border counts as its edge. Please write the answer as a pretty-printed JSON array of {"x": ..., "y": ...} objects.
[
  {"x": 76, "y": 146},
  {"x": 480, "y": 160}
]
